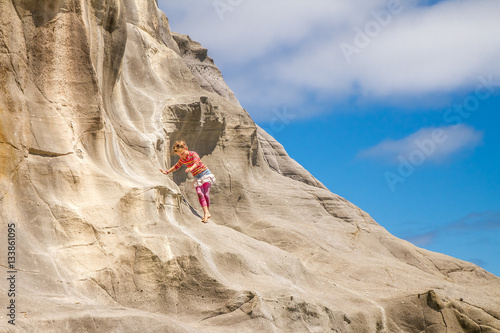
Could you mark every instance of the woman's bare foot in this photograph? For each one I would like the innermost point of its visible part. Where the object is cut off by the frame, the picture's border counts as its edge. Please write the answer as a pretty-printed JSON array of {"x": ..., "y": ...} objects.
[
  {"x": 205, "y": 218},
  {"x": 206, "y": 215}
]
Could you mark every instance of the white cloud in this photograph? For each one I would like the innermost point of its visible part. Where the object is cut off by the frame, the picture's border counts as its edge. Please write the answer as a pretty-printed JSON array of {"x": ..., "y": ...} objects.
[
  {"x": 255, "y": 28},
  {"x": 275, "y": 53},
  {"x": 428, "y": 144},
  {"x": 441, "y": 48}
]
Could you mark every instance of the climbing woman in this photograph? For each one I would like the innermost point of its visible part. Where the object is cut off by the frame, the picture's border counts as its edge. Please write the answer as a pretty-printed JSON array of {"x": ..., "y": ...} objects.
[{"x": 203, "y": 177}]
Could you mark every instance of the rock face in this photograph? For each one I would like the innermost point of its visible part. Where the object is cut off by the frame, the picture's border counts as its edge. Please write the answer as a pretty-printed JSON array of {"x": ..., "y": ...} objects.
[{"x": 93, "y": 93}]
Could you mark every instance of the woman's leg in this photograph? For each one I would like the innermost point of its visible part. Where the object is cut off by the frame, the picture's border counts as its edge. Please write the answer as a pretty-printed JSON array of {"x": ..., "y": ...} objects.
[
  {"x": 201, "y": 196},
  {"x": 203, "y": 192},
  {"x": 206, "y": 190}
]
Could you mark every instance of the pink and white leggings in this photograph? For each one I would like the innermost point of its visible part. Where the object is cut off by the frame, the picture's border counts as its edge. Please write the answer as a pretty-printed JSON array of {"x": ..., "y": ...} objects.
[{"x": 204, "y": 194}]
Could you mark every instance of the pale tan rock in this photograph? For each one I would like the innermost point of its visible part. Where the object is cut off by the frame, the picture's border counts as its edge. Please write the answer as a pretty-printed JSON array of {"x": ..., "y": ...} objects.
[
  {"x": 93, "y": 94},
  {"x": 203, "y": 67}
]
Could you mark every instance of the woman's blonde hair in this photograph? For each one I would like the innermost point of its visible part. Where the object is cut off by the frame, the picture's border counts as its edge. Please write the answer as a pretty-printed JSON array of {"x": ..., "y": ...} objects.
[{"x": 178, "y": 146}]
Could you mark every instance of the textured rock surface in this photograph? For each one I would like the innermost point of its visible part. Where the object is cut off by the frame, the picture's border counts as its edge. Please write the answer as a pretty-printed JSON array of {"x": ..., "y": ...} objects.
[{"x": 92, "y": 95}]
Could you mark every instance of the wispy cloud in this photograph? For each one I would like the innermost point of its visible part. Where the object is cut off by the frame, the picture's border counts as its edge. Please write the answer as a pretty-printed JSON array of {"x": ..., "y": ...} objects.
[
  {"x": 428, "y": 144},
  {"x": 486, "y": 220},
  {"x": 478, "y": 222},
  {"x": 479, "y": 262},
  {"x": 278, "y": 52},
  {"x": 477, "y": 232}
]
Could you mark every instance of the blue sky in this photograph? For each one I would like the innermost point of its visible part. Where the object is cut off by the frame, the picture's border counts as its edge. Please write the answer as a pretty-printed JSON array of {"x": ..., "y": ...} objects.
[{"x": 400, "y": 97}]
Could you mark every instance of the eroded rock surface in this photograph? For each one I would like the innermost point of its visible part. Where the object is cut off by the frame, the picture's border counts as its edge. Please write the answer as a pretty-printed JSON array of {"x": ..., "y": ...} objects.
[{"x": 93, "y": 94}]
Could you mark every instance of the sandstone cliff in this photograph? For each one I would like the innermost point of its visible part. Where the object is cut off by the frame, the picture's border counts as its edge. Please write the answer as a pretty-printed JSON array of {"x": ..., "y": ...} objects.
[{"x": 93, "y": 93}]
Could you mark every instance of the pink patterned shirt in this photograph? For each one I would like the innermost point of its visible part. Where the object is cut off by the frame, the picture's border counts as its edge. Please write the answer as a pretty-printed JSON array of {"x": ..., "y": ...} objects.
[{"x": 189, "y": 161}]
